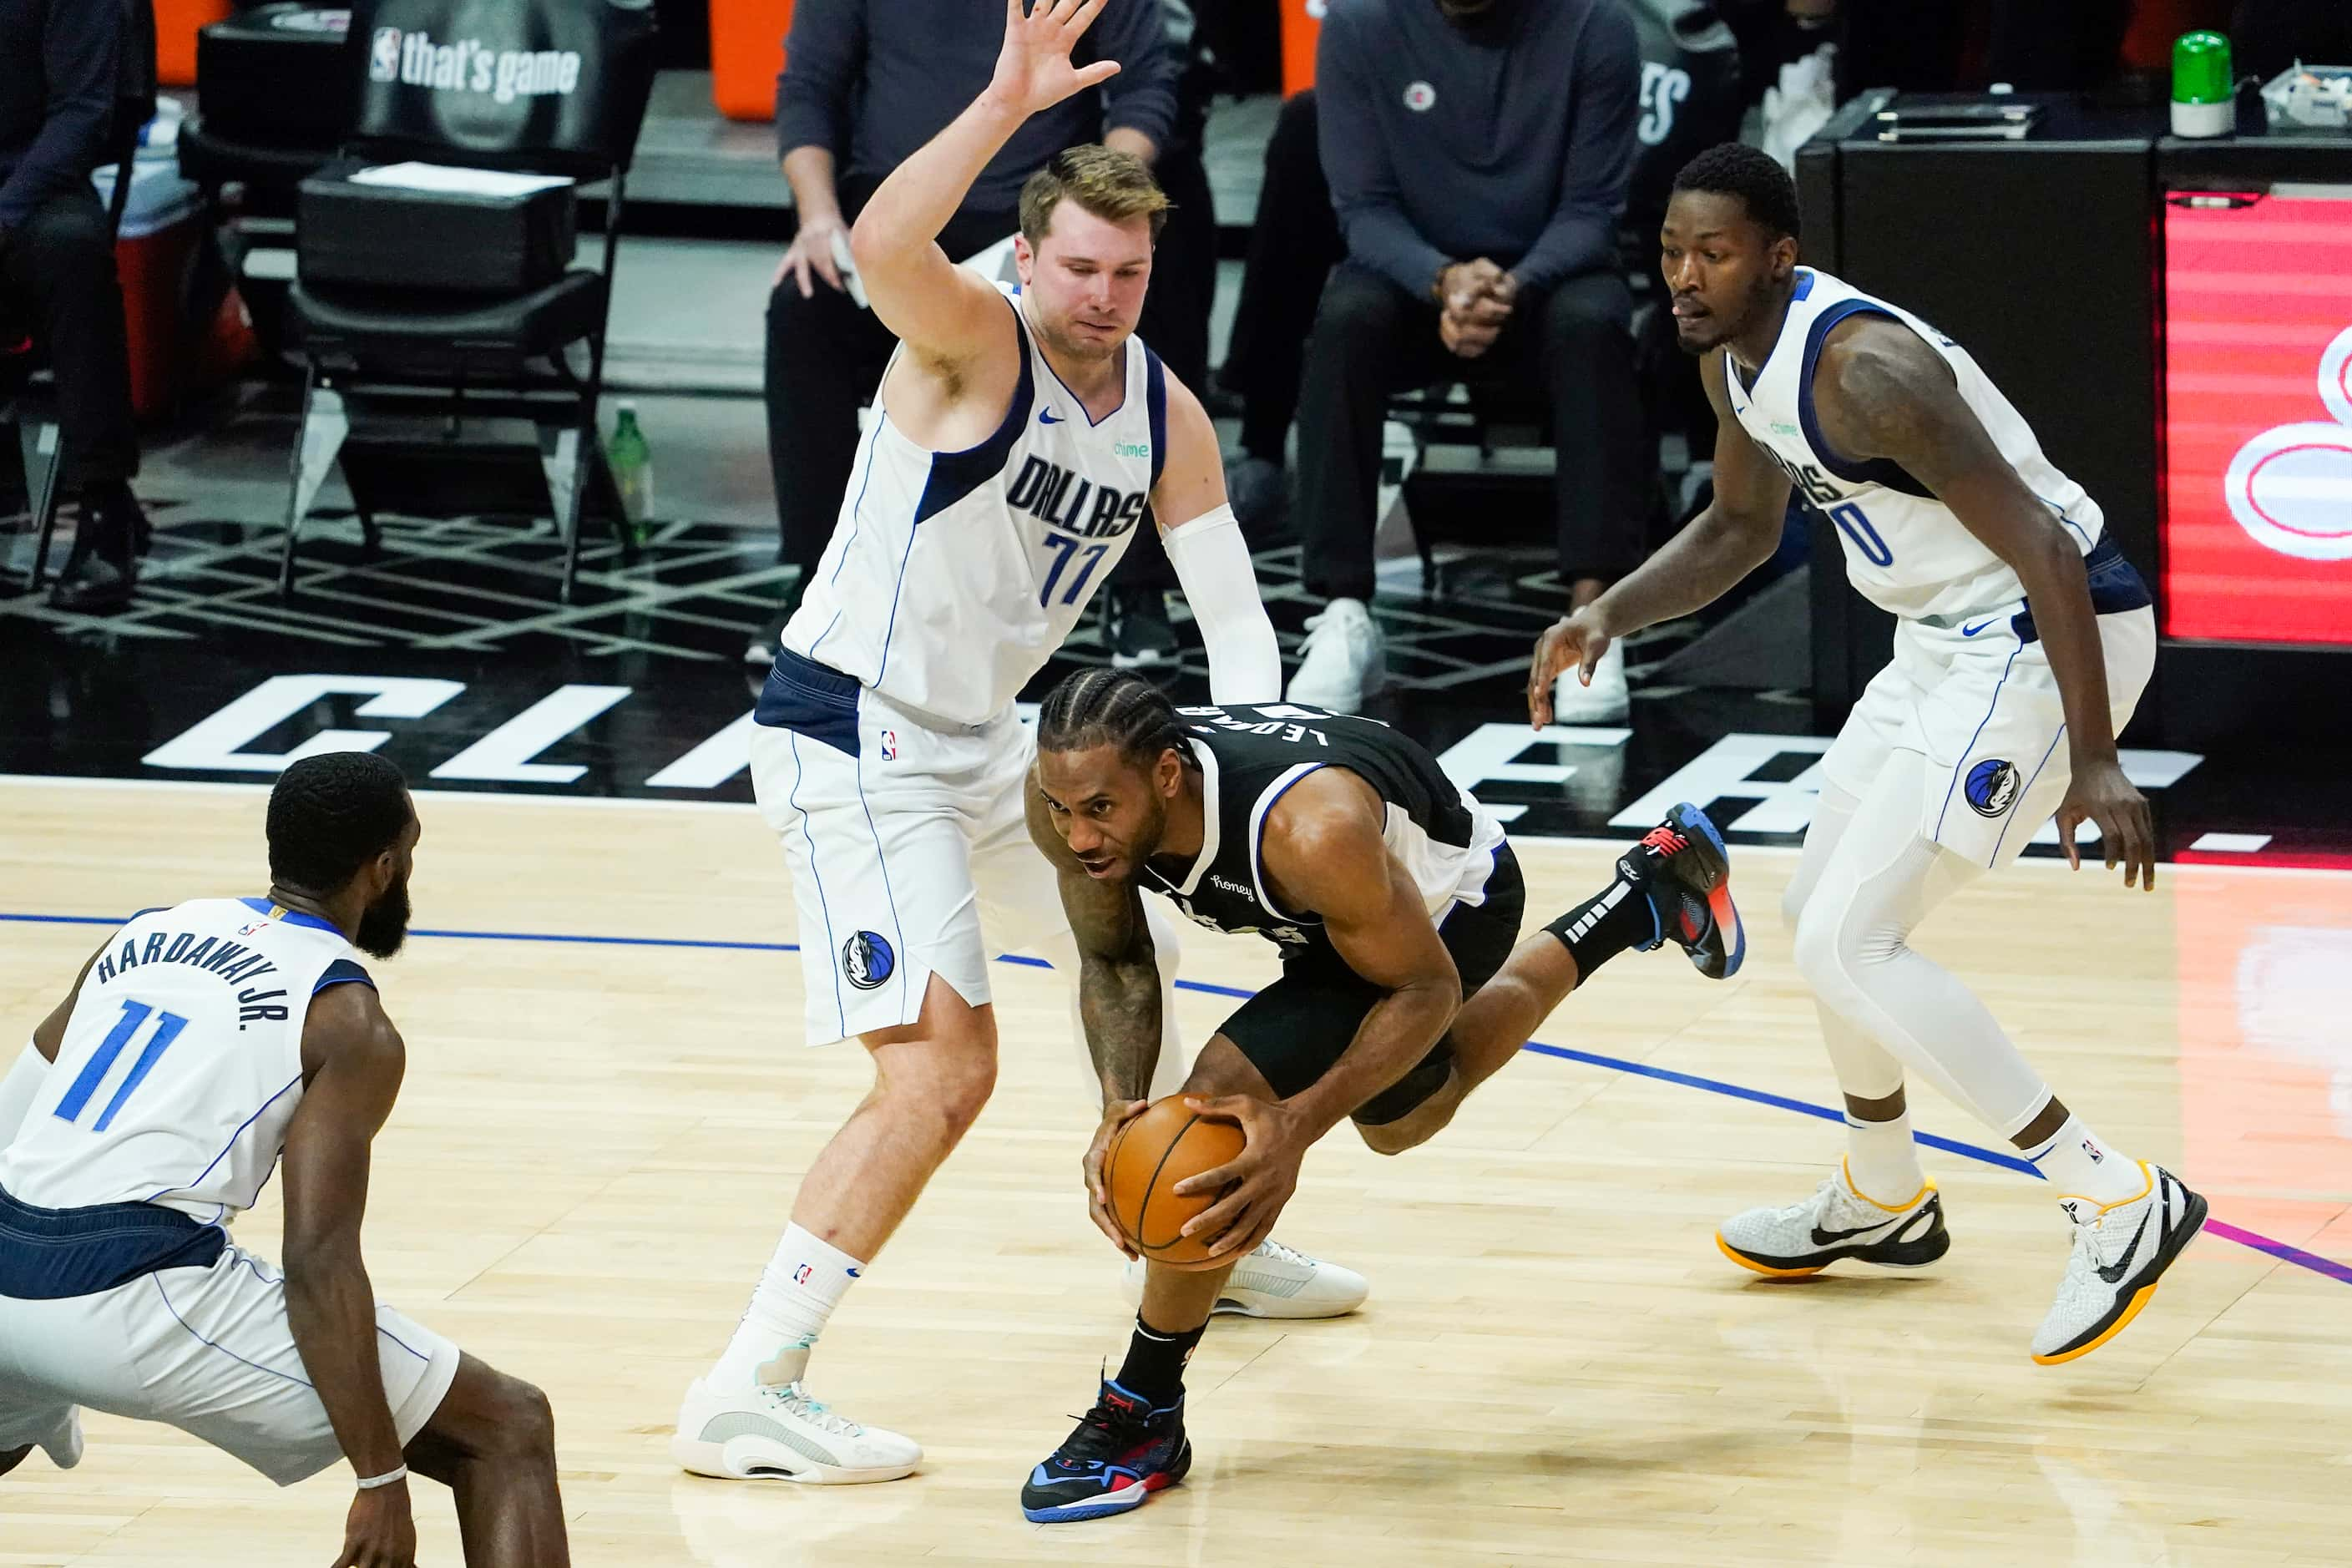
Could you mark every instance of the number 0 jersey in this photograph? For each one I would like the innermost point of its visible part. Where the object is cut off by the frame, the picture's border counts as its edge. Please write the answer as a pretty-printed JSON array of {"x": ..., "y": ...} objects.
[
  {"x": 952, "y": 577},
  {"x": 182, "y": 1062},
  {"x": 1905, "y": 551},
  {"x": 1250, "y": 756}
]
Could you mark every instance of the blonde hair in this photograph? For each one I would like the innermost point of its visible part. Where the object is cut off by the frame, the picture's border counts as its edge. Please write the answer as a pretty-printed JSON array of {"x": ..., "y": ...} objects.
[{"x": 1113, "y": 187}]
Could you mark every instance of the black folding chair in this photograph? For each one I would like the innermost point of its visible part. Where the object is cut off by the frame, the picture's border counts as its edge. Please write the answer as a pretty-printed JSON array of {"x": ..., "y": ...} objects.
[{"x": 402, "y": 354}]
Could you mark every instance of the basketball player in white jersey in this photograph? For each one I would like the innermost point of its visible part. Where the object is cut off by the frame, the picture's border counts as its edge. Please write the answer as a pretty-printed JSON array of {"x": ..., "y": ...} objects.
[
  {"x": 199, "y": 1046},
  {"x": 1018, "y": 442},
  {"x": 2022, "y": 642}
]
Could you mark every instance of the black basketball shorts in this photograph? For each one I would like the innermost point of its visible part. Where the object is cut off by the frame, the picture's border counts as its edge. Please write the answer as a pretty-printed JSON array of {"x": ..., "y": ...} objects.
[{"x": 1295, "y": 1029}]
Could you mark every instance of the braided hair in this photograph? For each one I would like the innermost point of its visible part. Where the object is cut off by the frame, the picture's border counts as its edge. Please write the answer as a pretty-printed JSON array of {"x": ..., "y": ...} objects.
[
  {"x": 1112, "y": 708},
  {"x": 331, "y": 814}
]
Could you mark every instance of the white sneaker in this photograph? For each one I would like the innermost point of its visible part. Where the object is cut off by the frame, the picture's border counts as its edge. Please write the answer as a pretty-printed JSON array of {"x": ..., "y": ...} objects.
[
  {"x": 1605, "y": 701},
  {"x": 2120, "y": 1251},
  {"x": 1837, "y": 1222},
  {"x": 1276, "y": 1281},
  {"x": 778, "y": 1433},
  {"x": 1344, "y": 661}
]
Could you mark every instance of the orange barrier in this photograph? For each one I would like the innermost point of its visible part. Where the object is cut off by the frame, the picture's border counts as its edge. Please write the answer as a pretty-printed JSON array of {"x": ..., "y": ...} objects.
[
  {"x": 1302, "y": 23},
  {"x": 176, "y": 22},
  {"x": 747, "y": 50}
]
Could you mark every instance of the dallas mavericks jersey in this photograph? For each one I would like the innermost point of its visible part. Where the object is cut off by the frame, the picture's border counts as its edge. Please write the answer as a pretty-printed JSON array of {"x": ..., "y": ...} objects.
[
  {"x": 1250, "y": 756},
  {"x": 182, "y": 1063},
  {"x": 952, "y": 577},
  {"x": 1905, "y": 551}
]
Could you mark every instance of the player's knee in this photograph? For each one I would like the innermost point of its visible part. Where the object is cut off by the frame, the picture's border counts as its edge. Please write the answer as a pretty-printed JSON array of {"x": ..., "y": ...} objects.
[
  {"x": 1820, "y": 952},
  {"x": 517, "y": 1422},
  {"x": 950, "y": 1085},
  {"x": 1406, "y": 1133}
]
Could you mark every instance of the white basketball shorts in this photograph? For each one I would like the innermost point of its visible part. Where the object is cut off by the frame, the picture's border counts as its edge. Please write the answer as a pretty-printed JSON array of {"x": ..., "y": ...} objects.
[
  {"x": 900, "y": 832},
  {"x": 206, "y": 1350},
  {"x": 1980, "y": 700}
]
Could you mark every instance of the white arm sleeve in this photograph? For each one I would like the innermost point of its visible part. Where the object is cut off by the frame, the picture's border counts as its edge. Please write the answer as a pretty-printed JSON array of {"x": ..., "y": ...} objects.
[
  {"x": 18, "y": 1091},
  {"x": 1213, "y": 565}
]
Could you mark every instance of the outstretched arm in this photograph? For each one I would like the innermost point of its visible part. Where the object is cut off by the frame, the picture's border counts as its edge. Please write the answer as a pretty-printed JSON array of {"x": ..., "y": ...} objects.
[
  {"x": 1212, "y": 559},
  {"x": 1879, "y": 391},
  {"x": 1736, "y": 533},
  {"x": 352, "y": 1060},
  {"x": 949, "y": 315}
]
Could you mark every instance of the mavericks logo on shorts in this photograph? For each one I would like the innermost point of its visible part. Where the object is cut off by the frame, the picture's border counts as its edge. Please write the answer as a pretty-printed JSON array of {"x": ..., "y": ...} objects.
[
  {"x": 867, "y": 960},
  {"x": 1991, "y": 787}
]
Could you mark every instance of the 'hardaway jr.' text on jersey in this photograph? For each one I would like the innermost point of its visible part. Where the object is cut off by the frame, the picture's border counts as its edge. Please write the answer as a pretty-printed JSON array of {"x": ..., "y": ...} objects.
[
  {"x": 952, "y": 577},
  {"x": 1905, "y": 551},
  {"x": 1250, "y": 756},
  {"x": 182, "y": 1063}
]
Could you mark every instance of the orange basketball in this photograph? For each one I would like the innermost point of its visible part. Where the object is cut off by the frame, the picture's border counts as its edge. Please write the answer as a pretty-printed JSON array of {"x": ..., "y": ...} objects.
[{"x": 1147, "y": 1158}]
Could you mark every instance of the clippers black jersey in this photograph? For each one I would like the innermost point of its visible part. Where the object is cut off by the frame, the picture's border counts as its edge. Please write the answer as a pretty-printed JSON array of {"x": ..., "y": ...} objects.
[{"x": 1250, "y": 756}]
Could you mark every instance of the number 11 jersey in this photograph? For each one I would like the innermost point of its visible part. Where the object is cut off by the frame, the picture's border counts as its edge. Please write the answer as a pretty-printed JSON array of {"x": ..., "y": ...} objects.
[{"x": 182, "y": 1063}]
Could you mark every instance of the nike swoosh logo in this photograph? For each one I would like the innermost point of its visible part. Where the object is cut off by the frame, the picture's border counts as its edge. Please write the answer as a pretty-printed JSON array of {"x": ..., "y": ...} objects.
[
  {"x": 1830, "y": 1238},
  {"x": 1047, "y": 416},
  {"x": 2115, "y": 1275},
  {"x": 1971, "y": 631}
]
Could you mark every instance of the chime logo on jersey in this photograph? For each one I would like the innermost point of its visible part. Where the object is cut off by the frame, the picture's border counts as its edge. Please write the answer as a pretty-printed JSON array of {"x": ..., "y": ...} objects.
[
  {"x": 867, "y": 960},
  {"x": 1991, "y": 787},
  {"x": 1056, "y": 496}
]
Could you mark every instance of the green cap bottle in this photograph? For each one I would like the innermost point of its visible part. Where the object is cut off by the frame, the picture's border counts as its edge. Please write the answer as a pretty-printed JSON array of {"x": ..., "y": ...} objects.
[{"x": 2203, "y": 88}]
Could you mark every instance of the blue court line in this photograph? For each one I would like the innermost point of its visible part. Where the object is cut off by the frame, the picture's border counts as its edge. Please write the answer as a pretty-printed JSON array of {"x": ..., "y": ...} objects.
[{"x": 2270, "y": 1245}]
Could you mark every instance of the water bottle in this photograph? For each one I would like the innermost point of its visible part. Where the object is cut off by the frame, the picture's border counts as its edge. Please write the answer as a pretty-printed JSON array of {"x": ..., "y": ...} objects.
[{"x": 633, "y": 471}]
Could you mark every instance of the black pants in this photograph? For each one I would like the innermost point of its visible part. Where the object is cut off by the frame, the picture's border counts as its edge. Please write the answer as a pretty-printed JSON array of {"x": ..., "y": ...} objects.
[
  {"x": 825, "y": 357},
  {"x": 1293, "y": 247},
  {"x": 1572, "y": 344},
  {"x": 58, "y": 282}
]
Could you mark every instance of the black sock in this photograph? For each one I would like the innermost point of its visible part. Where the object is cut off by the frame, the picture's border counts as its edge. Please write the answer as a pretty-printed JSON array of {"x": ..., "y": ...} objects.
[
  {"x": 1605, "y": 925},
  {"x": 1154, "y": 1369}
]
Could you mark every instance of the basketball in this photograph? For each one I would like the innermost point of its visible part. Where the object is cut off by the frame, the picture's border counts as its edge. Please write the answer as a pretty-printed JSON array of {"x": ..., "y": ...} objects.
[{"x": 1147, "y": 1157}]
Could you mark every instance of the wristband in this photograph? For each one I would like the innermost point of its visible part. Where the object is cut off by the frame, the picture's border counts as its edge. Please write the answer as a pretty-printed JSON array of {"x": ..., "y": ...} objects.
[{"x": 370, "y": 1483}]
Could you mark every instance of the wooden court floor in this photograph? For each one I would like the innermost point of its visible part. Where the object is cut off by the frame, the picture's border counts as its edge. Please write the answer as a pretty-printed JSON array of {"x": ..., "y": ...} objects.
[{"x": 598, "y": 1141}]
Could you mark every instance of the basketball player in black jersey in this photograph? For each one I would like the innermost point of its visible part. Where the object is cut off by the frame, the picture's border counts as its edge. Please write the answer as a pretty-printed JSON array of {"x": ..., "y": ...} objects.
[{"x": 1395, "y": 901}]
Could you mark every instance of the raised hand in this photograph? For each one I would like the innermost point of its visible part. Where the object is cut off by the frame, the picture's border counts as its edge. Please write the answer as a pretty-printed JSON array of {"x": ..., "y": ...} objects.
[{"x": 1033, "y": 71}]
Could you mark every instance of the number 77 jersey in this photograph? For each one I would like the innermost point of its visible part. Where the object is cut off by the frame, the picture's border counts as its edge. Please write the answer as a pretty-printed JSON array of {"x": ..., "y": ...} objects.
[
  {"x": 182, "y": 1062},
  {"x": 1905, "y": 551},
  {"x": 952, "y": 577}
]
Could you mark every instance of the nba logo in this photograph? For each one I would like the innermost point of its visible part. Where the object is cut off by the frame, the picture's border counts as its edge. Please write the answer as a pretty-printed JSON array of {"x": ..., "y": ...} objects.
[
  {"x": 383, "y": 58},
  {"x": 889, "y": 745},
  {"x": 803, "y": 1274}
]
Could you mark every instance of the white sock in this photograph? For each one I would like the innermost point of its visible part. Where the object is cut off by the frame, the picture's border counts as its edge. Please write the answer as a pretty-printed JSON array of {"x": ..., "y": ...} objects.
[
  {"x": 1881, "y": 1163},
  {"x": 2078, "y": 1162},
  {"x": 798, "y": 1291}
]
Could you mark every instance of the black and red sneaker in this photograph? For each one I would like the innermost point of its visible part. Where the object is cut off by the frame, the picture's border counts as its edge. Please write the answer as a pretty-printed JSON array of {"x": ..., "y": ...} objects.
[
  {"x": 1122, "y": 1452},
  {"x": 1684, "y": 869}
]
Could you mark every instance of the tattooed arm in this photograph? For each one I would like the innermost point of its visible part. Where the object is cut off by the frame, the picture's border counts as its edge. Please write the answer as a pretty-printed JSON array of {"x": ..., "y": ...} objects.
[{"x": 1118, "y": 998}]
